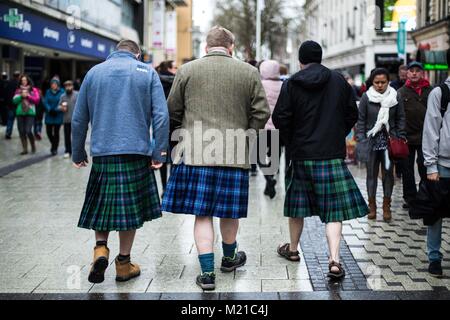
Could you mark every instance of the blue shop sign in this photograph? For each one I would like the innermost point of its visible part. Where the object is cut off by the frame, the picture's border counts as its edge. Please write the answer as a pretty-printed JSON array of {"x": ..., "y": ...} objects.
[{"x": 24, "y": 26}]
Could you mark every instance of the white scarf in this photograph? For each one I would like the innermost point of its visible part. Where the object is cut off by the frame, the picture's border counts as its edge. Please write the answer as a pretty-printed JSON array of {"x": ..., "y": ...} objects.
[{"x": 387, "y": 100}]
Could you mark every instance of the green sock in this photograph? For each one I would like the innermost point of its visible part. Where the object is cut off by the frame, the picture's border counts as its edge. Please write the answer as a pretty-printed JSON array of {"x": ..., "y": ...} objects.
[{"x": 229, "y": 250}]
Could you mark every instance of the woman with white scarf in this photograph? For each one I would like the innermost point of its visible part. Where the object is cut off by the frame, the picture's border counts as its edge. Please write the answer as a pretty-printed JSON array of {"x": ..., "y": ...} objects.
[{"x": 381, "y": 114}]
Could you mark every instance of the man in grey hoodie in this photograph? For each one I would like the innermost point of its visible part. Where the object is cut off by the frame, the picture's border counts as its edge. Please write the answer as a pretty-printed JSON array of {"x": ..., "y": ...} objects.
[{"x": 436, "y": 150}]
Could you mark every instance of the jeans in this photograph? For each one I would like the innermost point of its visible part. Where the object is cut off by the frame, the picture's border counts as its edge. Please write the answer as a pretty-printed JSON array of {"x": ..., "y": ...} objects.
[
  {"x": 68, "y": 137},
  {"x": 37, "y": 126},
  {"x": 434, "y": 239},
  {"x": 25, "y": 126},
  {"x": 377, "y": 158},
  {"x": 10, "y": 122},
  {"x": 53, "y": 135},
  {"x": 409, "y": 179}
]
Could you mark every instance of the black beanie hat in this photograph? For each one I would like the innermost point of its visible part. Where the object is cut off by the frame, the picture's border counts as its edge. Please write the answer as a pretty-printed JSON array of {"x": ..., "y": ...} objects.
[{"x": 310, "y": 52}]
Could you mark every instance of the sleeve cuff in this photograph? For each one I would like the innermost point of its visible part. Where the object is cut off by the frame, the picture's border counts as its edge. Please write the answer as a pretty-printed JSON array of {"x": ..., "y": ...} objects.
[
  {"x": 432, "y": 169},
  {"x": 79, "y": 157},
  {"x": 160, "y": 156}
]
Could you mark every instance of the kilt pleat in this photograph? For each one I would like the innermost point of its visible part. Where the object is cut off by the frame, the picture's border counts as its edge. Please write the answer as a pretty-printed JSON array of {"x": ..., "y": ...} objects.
[
  {"x": 323, "y": 188},
  {"x": 207, "y": 191},
  {"x": 121, "y": 195}
]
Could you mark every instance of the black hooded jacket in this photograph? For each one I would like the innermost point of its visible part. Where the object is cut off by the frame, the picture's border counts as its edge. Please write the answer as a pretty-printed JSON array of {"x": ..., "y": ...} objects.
[{"x": 315, "y": 112}]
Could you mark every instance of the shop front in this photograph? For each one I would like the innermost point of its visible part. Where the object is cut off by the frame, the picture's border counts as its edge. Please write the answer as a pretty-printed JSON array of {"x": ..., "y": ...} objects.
[{"x": 42, "y": 46}]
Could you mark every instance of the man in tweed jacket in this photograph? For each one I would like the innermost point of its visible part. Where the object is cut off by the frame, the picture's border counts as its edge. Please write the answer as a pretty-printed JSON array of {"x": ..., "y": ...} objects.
[{"x": 214, "y": 99}]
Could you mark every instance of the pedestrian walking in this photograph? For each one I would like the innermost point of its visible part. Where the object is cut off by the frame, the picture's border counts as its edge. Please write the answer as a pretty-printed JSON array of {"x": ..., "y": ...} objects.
[
  {"x": 166, "y": 71},
  {"x": 66, "y": 105},
  {"x": 220, "y": 94},
  {"x": 402, "y": 78},
  {"x": 26, "y": 98},
  {"x": 54, "y": 116},
  {"x": 3, "y": 99},
  {"x": 315, "y": 112},
  {"x": 11, "y": 88},
  {"x": 122, "y": 98},
  {"x": 40, "y": 112},
  {"x": 414, "y": 95},
  {"x": 381, "y": 116},
  {"x": 436, "y": 151},
  {"x": 270, "y": 75}
]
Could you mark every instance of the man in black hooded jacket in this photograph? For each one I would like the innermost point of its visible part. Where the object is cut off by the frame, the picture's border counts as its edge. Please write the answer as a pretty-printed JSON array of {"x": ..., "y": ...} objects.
[{"x": 315, "y": 112}]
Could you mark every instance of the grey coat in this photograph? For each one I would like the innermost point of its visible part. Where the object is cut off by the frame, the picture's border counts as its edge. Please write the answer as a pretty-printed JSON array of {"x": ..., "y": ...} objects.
[{"x": 368, "y": 114}]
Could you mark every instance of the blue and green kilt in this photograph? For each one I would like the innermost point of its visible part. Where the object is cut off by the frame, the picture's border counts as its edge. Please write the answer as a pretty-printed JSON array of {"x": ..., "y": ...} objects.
[
  {"x": 121, "y": 194},
  {"x": 325, "y": 189},
  {"x": 207, "y": 191}
]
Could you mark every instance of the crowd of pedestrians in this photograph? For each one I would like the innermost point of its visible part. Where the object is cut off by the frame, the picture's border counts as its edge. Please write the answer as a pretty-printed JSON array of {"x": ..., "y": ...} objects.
[
  {"x": 135, "y": 112},
  {"x": 23, "y": 102}
]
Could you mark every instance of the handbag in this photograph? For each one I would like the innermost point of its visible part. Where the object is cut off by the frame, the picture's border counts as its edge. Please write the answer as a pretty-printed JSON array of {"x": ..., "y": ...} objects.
[
  {"x": 398, "y": 148},
  {"x": 363, "y": 150},
  {"x": 431, "y": 202}
]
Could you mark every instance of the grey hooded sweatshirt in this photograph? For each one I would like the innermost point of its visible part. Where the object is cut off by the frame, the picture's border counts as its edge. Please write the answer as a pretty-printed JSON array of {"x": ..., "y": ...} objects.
[{"x": 436, "y": 133}]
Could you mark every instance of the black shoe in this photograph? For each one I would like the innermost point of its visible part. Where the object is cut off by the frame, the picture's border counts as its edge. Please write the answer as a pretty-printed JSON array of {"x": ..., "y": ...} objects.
[
  {"x": 54, "y": 153},
  {"x": 229, "y": 265},
  {"x": 8, "y": 137},
  {"x": 207, "y": 281},
  {"x": 270, "y": 188},
  {"x": 435, "y": 269}
]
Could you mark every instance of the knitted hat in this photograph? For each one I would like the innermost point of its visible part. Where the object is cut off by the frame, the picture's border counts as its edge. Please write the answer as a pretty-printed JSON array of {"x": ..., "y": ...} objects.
[{"x": 310, "y": 52}]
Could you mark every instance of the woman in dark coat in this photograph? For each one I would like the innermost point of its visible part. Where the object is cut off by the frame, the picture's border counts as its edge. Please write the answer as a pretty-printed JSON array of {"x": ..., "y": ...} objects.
[{"x": 381, "y": 114}]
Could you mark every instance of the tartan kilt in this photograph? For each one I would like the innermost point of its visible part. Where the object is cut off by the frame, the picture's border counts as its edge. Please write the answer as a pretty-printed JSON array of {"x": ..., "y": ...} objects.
[
  {"x": 323, "y": 188},
  {"x": 121, "y": 194},
  {"x": 207, "y": 191}
]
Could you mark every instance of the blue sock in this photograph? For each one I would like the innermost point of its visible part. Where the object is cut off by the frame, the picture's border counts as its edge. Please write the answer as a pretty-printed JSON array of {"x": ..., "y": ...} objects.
[
  {"x": 207, "y": 262},
  {"x": 229, "y": 250}
]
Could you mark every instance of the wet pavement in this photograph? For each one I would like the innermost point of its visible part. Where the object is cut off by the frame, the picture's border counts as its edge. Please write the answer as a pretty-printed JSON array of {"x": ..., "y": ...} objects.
[{"x": 45, "y": 255}]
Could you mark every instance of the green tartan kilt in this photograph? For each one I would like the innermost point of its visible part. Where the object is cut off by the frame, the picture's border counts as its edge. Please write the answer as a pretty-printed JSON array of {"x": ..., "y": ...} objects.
[
  {"x": 121, "y": 194},
  {"x": 323, "y": 188}
]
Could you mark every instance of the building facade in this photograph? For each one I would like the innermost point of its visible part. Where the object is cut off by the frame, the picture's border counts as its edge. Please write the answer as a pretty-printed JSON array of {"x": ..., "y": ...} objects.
[
  {"x": 45, "y": 38},
  {"x": 168, "y": 30},
  {"x": 432, "y": 37},
  {"x": 351, "y": 33}
]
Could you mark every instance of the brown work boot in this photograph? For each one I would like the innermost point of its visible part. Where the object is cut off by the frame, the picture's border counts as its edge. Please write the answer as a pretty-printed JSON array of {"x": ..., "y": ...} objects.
[
  {"x": 387, "y": 215},
  {"x": 24, "y": 146},
  {"x": 125, "y": 270},
  {"x": 373, "y": 209},
  {"x": 101, "y": 257}
]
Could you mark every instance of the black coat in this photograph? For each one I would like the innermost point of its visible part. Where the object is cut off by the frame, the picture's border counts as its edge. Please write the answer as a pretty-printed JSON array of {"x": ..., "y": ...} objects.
[
  {"x": 167, "y": 82},
  {"x": 315, "y": 112}
]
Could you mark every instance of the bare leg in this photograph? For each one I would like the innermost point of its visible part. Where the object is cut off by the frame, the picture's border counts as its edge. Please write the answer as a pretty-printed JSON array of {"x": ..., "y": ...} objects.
[
  {"x": 101, "y": 236},
  {"x": 334, "y": 233},
  {"x": 204, "y": 235},
  {"x": 126, "y": 241},
  {"x": 229, "y": 229},
  {"x": 295, "y": 231}
]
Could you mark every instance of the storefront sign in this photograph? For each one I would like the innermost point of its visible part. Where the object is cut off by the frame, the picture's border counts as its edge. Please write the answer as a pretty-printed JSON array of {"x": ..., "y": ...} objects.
[
  {"x": 24, "y": 26},
  {"x": 159, "y": 9}
]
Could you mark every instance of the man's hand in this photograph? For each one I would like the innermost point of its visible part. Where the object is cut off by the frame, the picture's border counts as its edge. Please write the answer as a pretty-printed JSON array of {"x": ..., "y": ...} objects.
[
  {"x": 156, "y": 165},
  {"x": 433, "y": 177},
  {"x": 81, "y": 164}
]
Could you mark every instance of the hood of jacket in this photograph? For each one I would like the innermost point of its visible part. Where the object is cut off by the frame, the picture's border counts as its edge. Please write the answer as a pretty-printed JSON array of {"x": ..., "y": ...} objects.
[
  {"x": 314, "y": 76},
  {"x": 270, "y": 70}
]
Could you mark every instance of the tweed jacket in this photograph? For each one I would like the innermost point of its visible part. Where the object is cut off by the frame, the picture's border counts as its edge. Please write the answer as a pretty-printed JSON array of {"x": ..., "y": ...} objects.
[{"x": 216, "y": 100}]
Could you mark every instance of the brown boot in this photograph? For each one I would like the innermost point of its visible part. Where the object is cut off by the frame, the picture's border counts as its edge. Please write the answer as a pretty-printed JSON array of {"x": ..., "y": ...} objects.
[
  {"x": 387, "y": 215},
  {"x": 125, "y": 270},
  {"x": 373, "y": 209},
  {"x": 33, "y": 144},
  {"x": 24, "y": 146},
  {"x": 101, "y": 257}
]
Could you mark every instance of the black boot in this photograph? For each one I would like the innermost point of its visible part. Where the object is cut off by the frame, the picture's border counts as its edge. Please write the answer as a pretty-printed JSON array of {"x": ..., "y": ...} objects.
[{"x": 270, "y": 187}]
